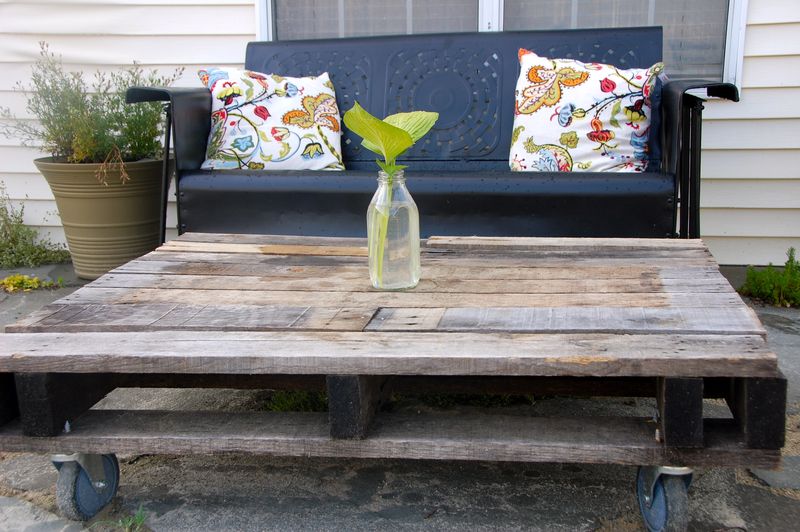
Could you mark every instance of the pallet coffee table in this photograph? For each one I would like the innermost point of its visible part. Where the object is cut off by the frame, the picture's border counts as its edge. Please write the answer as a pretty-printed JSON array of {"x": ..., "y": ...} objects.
[{"x": 545, "y": 316}]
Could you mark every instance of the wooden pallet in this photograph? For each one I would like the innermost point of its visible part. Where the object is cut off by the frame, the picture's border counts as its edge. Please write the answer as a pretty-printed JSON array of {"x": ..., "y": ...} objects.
[{"x": 641, "y": 317}]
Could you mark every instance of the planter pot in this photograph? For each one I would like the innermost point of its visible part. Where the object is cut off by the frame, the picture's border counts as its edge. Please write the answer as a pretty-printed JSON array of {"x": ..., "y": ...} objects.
[{"x": 106, "y": 225}]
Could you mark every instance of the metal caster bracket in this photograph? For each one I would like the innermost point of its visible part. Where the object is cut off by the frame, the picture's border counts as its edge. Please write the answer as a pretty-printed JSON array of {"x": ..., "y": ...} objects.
[
  {"x": 91, "y": 463},
  {"x": 651, "y": 475}
]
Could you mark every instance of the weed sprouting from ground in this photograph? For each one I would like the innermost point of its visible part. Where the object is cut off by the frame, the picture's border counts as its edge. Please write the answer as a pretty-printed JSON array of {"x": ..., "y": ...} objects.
[
  {"x": 20, "y": 245},
  {"x": 26, "y": 283},
  {"x": 296, "y": 401},
  {"x": 774, "y": 286}
]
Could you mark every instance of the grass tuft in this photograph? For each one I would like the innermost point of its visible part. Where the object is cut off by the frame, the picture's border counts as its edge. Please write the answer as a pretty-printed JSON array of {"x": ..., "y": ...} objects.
[
  {"x": 20, "y": 245},
  {"x": 296, "y": 401},
  {"x": 773, "y": 286}
]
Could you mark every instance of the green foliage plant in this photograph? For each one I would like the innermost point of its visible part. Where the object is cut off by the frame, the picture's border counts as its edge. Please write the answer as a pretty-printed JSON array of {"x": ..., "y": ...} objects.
[
  {"x": 773, "y": 286},
  {"x": 388, "y": 138},
  {"x": 25, "y": 283},
  {"x": 296, "y": 401},
  {"x": 21, "y": 245},
  {"x": 82, "y": 122},
  {"x": 129, "y": 523}
]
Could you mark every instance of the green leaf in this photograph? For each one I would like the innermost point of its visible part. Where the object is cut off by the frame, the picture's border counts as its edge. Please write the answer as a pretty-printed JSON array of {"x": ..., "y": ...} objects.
[
  {"x": 615, "y": 109},
  {"x": 614, "y": 122},
  {"x": 379, "y": 137},
  {"x": 415, "y": 123},
  {"x": 263, "y": 135}
]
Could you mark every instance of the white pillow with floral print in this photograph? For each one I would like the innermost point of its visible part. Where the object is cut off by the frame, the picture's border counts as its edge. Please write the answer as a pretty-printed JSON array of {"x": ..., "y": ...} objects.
[
  {"x": 266, "y": 121},
  {"x": 580, "y": 117}
]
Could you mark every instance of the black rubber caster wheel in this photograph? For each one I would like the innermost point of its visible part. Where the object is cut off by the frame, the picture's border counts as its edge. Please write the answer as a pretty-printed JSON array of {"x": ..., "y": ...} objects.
[
  {"x": 76, "y": 498},
  {"x": 667, "y": 510}
]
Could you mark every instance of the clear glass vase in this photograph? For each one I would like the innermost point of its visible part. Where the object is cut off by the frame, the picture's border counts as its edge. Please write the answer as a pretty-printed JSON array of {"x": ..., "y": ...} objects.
[{"x": 393, "y": 235}]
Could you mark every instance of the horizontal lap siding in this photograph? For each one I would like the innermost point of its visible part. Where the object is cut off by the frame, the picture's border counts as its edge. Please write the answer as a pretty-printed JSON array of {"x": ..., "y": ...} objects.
[
  {"x": 751, "y": 149},
  {"x": 95, "y": 35}
]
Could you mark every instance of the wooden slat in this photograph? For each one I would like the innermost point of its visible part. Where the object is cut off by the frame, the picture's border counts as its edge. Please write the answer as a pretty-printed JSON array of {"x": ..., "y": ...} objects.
[
  {"x": 223, "y": 238},
  {"x": 353, "y": 401},
  {"x": 48, "y": 401},
  {"x": 378, "y": 353},
  {"x": 543, "y": 244},
  {"x": 680, "y": 411},
  {"x": 266, "y": 249},
  {"x": 91, "y": 295},
  {"x": 563, "y": 260},
  {"x": 158, "y": 316},
  {"x": 431, "y": 436},
  {"x": 333, "y": 282},
  {"x": 233, "y": 268},
  {"x": 639, "y": 320}
]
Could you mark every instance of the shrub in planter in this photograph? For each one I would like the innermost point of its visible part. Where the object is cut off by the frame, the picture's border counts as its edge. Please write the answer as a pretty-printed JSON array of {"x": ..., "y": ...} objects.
[{"x": 104, "y": 168}]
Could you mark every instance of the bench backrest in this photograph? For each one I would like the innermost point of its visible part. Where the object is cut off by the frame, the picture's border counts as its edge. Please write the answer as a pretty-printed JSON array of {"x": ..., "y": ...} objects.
[{"x": 469, "y": 78}]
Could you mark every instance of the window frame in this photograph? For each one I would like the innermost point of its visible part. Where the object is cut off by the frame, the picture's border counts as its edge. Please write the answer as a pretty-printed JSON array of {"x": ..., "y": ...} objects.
[{"x": 490, "y": 18}]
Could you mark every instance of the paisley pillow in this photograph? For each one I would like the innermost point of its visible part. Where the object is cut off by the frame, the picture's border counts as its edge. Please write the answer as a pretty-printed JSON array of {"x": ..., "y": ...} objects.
[
  {"x": 581, "y": 117},
  {"x": 265, "y": 121}
]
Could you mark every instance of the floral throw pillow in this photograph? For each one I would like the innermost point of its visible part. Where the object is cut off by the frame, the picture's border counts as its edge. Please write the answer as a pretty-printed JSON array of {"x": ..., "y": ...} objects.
[
  {"x": 266, "y": 121},
  {"x": 581, "y": 117}
]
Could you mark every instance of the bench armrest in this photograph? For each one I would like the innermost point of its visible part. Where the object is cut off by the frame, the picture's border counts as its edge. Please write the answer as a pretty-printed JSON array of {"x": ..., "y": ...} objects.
[
  {"x": 682, "y": 123},
  {"x": 190, "y": 112}
]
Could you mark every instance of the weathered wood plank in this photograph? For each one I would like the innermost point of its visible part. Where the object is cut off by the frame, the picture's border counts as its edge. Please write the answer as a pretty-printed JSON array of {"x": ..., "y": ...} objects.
[
  {"x": 639, "y": 320},
  {"x": 333, "y": 282},
  {"x": 48, "y": 401},
  {"x": 434, "y": 271},
  {"x": 224, "y": 238},
  {"x": 91, "y": 295},
  {"x": 353, "y": 401},
  {"x": 547, "y": 243},
  {"x": 34, "y": 317},
  {"x": 8, "y": 398},
  {"x": 158, "y": 316},
  {"x": 431, "y": 436},
  {"x": 445, "y": 258},
  {"x": 759, "y": 407},
  {"x": 266, "y": 249},
  {"x": 680, "y": 411},
  {"x": 377, "y": 353}
]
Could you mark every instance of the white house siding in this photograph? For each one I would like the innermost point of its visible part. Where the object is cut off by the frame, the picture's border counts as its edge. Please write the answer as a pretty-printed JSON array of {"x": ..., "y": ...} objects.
[
  {"x": 751, "y": 157},
  {"x": 751, "y": 150},
  {"x": 104, "y": 34}
]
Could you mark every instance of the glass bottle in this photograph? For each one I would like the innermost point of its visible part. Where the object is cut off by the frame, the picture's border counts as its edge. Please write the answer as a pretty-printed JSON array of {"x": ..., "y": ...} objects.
[{"x": 393, "y": 234}]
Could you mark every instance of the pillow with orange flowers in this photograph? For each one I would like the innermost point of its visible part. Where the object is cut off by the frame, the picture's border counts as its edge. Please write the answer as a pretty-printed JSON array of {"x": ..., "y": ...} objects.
[
  {"x": 571, "y": 116},
  {"x": 266, "y": 121}
]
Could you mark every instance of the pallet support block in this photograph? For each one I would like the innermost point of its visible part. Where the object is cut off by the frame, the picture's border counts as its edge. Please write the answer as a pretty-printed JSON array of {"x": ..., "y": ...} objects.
[
  {"x": 48, "y": 400},
  {"x": 680, "y": 410},
  {"x": 759, "y": 407},
  {"x": 8, "y": 398},
  {"x": 352, "y": 403}
]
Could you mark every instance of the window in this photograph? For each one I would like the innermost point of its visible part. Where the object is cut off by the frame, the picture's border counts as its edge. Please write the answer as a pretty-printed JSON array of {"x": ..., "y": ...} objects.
[
  {"x": 318, "y": 19},
  {"x": 701, "y": 39}
]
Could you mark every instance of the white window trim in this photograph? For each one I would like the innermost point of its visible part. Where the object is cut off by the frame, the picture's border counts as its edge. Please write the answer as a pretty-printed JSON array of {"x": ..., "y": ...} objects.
[
  {"x": 734, "y": 43},
  {"x": 490, "y": 18}
]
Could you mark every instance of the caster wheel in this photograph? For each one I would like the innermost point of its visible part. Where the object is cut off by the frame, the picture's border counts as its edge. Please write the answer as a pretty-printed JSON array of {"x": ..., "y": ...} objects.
[
  {"x": 668, "y": 508},
  {"x": 76, "y": 498}
]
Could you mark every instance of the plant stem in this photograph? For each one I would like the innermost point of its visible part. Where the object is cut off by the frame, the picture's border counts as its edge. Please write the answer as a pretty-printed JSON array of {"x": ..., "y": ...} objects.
[{"x": 383, "y": 228}]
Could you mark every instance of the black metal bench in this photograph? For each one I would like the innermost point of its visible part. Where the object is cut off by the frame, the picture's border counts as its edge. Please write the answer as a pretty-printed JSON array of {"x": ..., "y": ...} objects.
[{"x": 459, "y": 173}]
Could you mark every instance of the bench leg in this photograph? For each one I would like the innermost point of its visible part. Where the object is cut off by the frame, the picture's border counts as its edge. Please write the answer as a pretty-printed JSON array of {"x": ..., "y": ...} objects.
[
  {"x": 680, "y": 409},
  {"x": 759, "y": 407},
  {"x": 8, "y": 398},
  {"x": 48, "y": 400},
  {"x": 352, "y": 403}
]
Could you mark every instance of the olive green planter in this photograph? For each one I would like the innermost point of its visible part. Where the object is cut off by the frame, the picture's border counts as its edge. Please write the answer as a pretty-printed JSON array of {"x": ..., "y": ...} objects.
[{"x": 105, "y": 225}]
